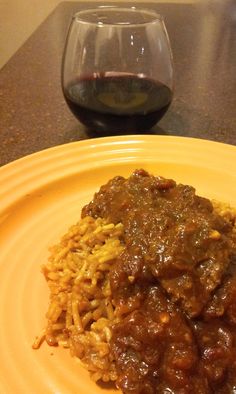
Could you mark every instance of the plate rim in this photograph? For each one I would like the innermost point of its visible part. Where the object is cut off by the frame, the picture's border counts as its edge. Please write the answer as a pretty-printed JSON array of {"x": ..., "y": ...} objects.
[{"x": 114, "y": 139}]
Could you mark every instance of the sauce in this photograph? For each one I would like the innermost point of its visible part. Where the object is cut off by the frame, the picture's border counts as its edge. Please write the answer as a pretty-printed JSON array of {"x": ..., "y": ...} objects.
[{"x": 174, "y": 287}]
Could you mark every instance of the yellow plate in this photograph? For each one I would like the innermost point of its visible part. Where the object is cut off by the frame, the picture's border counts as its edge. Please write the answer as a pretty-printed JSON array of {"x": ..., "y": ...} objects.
[{"x": 40, "y": 196}]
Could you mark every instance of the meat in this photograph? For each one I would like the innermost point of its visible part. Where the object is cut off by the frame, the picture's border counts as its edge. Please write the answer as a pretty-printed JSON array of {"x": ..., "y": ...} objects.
[{"x": 167, "y": 286}]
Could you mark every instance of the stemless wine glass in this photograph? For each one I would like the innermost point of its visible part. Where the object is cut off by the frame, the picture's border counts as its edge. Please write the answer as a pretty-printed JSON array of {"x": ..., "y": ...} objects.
[{"x": 117, "y": 71}]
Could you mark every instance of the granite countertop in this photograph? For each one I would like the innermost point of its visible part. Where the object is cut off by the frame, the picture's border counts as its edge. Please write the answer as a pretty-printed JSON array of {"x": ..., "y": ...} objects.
[{"x": 34, "y": 115}]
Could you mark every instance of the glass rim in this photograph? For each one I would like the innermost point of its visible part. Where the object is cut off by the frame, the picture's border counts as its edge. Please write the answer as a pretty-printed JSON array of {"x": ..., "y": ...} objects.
[{"x": 148, "y": 11}]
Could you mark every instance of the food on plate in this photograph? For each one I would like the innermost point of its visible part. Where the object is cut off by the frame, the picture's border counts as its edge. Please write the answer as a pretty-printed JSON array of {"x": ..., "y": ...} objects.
[{"x": 143, "y": 288}]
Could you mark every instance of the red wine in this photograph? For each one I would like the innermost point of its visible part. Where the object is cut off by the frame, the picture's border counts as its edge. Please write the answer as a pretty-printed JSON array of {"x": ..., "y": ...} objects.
[{"x": 118, "y": 102}]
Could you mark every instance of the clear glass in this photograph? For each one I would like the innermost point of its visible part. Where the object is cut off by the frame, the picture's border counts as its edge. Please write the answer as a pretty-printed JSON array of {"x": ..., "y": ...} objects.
[{"x": 117, "y": 70}]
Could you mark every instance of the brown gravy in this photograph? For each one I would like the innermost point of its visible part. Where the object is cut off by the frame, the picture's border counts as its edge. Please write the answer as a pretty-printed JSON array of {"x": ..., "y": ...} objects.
[{"x": 174, "y": 287}]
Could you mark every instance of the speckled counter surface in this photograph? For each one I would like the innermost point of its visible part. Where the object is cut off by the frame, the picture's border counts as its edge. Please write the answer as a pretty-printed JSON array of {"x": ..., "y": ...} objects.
[{"x": 34, "y": 115}]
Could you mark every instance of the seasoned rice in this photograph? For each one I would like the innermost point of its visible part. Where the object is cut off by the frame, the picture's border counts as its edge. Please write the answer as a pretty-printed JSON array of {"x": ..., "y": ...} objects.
[{"x": 81, "y": 310}]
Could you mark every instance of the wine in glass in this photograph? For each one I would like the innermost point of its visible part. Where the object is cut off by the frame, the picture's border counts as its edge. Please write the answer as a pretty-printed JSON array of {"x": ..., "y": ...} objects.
[{"x": 117, "y": 70}]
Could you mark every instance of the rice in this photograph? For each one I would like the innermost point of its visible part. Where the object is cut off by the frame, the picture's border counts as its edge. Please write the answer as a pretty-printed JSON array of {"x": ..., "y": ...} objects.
[
  {"x": 225, "y": 210},
  {"x": 81, "y": 310}
]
